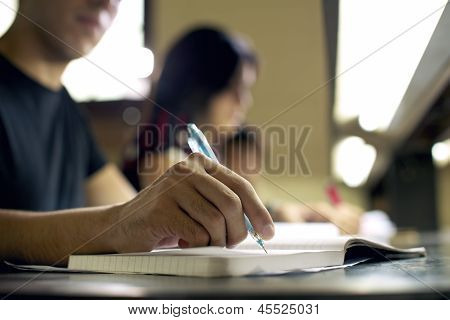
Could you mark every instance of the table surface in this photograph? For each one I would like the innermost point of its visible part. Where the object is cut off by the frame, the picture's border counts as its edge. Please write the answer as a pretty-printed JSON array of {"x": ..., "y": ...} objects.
[{"x": 419, "y": 278}]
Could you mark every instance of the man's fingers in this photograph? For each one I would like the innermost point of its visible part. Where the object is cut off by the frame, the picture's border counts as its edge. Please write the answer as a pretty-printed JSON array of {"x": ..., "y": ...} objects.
[
  {"x": 188, "y": 230},
  {"x": 252, "y": 205},
  {"x": 205, "y": 213},
  {"x": 228, "y": 204}
]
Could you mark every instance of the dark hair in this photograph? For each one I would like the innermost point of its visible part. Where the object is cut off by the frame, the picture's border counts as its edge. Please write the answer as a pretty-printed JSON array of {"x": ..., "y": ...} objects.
[{"x": 199, "y": 65}]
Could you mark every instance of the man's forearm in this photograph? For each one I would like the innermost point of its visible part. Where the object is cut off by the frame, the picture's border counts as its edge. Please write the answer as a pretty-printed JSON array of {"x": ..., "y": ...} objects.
[{"x": 50, "y": 237}]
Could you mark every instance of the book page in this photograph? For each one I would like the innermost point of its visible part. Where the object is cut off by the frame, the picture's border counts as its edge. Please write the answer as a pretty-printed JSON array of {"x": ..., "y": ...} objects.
[
  {"x": 300, "y": 236},
  {"x": 215, "y": 252}
]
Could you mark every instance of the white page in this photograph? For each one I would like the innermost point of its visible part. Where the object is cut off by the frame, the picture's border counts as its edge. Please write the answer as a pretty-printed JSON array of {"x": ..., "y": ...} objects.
[
  {"x": 39, "y": 268},
  {"x": 219, "y": 252},
  {"x": 300, "y": 236}
]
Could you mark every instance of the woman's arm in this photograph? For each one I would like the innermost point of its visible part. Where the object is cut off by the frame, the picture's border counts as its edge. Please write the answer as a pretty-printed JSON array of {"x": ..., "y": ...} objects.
[
  {"x": 153, "y": 165},
  {"x": 108, "y": 186}
]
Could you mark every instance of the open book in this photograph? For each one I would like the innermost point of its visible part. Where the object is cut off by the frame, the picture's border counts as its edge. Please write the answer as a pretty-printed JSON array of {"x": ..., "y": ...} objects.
[{"x": 297, "y": 254}]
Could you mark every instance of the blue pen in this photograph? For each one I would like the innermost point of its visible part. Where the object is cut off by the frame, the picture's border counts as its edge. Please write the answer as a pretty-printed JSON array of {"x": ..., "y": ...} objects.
[{"x": 198, "y": 143}]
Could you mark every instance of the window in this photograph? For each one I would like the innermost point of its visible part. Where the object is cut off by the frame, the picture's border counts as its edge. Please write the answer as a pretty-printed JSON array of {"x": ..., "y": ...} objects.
[
  {"x": 8, "y": 10},
  {"x": 380, "y": 44}
]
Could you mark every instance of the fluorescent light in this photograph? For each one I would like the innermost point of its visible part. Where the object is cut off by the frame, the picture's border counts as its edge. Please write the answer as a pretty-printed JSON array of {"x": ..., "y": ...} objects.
[
  {"x": 441, "y": 153},
  {"x": 377, "y": 58},
  {"x": 353, "y": 160},
  {"x": 369, "y": 122}
]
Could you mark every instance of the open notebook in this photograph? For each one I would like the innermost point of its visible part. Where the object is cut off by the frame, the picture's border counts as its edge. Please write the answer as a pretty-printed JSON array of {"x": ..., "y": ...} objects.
[{"x": 297, "y": 254}]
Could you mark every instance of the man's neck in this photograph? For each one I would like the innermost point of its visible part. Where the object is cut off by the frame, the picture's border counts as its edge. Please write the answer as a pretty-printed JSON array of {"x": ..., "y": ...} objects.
[{"x": 29, "y": 54}]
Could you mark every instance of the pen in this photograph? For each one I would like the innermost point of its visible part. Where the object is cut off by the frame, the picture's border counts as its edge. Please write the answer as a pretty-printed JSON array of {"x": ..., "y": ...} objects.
[{"x": 198, "y": 143}]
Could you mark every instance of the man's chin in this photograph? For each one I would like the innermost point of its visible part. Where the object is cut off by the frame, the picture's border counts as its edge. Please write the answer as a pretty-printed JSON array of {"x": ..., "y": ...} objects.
[
  {"x": 77, "y": 48},
  {"x": 68, "y": 52},
  {"x": 81, "y": 50}
]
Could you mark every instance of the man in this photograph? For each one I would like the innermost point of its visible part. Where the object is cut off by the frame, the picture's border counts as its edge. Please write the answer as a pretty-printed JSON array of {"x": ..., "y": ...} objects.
[{"x": 49, "y": 161}]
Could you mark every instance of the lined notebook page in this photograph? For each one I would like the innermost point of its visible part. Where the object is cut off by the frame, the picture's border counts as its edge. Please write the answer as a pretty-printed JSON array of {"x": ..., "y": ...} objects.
[
  {"x": 206, "y": 261},
  {"x": 179, "y": 265},
  {"x": 235, "y": 263},
  {"x": 297, "y": 236}
]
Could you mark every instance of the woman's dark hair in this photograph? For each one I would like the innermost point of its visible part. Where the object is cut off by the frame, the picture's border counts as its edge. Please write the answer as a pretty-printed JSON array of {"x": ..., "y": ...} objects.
[{"x": 200, "y": 65}]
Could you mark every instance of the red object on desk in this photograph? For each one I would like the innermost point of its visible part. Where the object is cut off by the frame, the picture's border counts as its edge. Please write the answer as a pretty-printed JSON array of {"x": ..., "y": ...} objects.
[{"x": 333, "y": 195}]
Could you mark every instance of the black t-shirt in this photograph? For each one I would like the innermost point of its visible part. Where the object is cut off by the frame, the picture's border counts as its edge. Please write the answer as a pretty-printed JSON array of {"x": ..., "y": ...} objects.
[{"x": 46, "y": 148}]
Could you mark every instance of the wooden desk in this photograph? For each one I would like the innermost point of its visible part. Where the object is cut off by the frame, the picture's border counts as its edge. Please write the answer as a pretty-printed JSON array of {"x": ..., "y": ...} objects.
[{"x": 421, "y": 278}]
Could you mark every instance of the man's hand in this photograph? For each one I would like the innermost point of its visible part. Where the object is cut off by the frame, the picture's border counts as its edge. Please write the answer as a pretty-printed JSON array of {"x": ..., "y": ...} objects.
[{"x": 197, "y": 202}]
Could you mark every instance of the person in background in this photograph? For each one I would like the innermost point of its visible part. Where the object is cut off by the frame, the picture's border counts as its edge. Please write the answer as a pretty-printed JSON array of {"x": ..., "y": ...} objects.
[
  {"x": 50, "y": 166},
  {"x": 207, "y": 78},
  {"x": 243, "y": 153}
]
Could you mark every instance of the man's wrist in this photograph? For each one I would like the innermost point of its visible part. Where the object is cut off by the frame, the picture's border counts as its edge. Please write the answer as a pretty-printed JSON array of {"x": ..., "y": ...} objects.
[
  {"x": 112, "y": 227},
  {"x": 101, "y": 230}
]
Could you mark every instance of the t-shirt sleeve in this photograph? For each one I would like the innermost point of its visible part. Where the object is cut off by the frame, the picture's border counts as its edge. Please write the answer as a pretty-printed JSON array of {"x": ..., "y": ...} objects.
[{"x": 95, "y": 158}]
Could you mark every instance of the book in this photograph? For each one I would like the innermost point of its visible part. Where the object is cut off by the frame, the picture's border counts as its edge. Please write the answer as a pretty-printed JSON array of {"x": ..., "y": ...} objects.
[{"x": 304, "y": 253}]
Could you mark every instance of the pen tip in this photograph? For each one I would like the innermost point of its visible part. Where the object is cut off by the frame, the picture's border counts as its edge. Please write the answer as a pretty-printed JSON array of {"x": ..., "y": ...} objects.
[{"x": 264, "y": 249}]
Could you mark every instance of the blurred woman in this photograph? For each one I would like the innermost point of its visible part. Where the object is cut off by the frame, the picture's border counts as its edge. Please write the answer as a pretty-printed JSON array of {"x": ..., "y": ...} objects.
[{"x": 206, "y": 79}]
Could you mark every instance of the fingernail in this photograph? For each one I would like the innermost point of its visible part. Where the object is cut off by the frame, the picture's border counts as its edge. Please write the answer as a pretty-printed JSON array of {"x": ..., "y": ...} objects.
[
  {"x": 268, "y": 231},
  {"x": 183, "y": 244}
]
